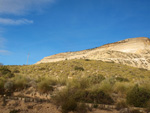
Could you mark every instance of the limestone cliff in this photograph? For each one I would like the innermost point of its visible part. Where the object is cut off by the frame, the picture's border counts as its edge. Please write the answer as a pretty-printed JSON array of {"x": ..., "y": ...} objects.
[{"x": 133, "y": 52}]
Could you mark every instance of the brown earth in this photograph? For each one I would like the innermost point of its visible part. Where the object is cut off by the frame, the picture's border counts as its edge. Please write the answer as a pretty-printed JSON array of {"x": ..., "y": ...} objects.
[{"x": 32, "y": 107}]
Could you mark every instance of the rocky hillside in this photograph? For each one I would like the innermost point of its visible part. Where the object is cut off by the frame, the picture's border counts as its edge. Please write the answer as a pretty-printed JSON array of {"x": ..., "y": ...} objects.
[{"x": 133, "y": 52}]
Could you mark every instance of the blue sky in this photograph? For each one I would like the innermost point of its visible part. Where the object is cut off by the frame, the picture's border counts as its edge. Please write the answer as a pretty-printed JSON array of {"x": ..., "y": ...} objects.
[{"x": 46, "y": 27}]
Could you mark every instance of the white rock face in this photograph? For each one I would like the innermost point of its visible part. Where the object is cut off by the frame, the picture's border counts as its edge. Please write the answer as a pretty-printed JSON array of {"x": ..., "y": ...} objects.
[{"x": 133, "y": 52}]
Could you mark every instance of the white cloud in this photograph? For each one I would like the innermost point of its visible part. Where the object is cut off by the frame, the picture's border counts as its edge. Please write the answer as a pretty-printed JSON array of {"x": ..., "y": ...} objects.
[
  {"x": 2, "y": 47},
  {"x": 2, "y": 41},
  {"x": 5, "y": 52},
  {"x": 8, "y": 21},
  {"x": 19, "y": 7},
  {"x": 2, "y": 50}
]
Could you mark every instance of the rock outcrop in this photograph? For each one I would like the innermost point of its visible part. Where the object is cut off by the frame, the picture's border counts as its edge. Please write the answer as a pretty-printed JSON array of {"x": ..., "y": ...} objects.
[{"x": 133, "y": 52}]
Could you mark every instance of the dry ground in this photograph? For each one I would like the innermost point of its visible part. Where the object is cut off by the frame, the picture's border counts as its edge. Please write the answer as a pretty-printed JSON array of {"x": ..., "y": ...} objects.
[{"x": 32, "y": 107}]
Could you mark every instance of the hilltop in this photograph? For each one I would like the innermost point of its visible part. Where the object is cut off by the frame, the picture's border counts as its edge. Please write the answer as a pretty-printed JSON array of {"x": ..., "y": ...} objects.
[{"x": 133, "y": 52}]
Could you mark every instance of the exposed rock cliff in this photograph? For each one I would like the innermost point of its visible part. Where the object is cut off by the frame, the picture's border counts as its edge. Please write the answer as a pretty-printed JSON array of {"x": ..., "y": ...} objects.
[{"x": 133, "y": 52}]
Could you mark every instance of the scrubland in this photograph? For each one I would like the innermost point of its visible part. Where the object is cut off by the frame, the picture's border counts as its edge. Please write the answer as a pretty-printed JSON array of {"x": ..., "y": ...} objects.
[{"x": 73, "y": 84}]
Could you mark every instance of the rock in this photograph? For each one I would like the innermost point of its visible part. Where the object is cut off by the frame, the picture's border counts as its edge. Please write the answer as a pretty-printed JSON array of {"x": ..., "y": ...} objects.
[
  {"x": 124, "y": 110},
  {"x": 59, "y": 108}
]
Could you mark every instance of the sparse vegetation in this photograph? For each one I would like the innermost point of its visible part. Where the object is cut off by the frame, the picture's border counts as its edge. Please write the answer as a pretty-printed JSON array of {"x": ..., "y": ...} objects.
[{"x": 80, "y": 82}]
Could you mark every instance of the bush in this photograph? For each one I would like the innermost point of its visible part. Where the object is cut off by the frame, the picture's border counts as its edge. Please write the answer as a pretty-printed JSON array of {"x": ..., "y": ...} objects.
[
  {"x": 16, "y": 71},
  {"x": 5, "y": 72},
  {"x": 122, "y": 88},
  {"x": 99, "y": 97},
  {"x": 79, "y": 68},
  {"x": 87, "y": 60},
  {"x": 8, "y": 86},
  {"x": 68, "y": 98},
  {"x": 14, "y": 111},
  {"x": 95, "y": 79},
  {"x": 78, "y": 83},
  {"x": 69, "y": 105},
  {"x": 121, "y": 104},
  {"x": 106, "y": 86},
  {"x": 121, "y": 79},
  {"x": 81, "y": 108},
  {"x": 2, "y": 81},
  {"x": 20, "y": 82},
  {"x": 44, "y": 86},
  {"x": 138, "y": 96}
]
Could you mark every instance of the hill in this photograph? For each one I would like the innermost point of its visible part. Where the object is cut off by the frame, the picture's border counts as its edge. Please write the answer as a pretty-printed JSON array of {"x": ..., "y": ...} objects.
[{"x": 133, "y": 52}]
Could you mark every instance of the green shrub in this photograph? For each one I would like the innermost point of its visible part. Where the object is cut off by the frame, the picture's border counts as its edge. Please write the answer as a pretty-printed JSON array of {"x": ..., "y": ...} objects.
[
  {"x": 99, "y": 97},
  {"x": 138, "y": 96},
  {"x": 81, "y": 108},
  {"x": 44, "y": 86},
  {"x": 78, "y": 83},
  {"x": 87, "y": 60},
  {"x": 121, "y": 104},
  {"x": 106, "y": 86},
  {"x": 20, "y": 82},
  {"x": 5, "y": 72},
  {"x": 16, "y": 71},
  {"x": 95, "y": 79},
  {"x": 69, "y": 105},
  {"x": 2, "y": 82},
  {"x": 78, "y": 68},
  {"x": 8, "y": 86},
  {"x": 122, "y": 87},
  {"x": 121, "y": 79},
  {"x": 14, "y": 111},
  {"x": 148, "y": 107}
]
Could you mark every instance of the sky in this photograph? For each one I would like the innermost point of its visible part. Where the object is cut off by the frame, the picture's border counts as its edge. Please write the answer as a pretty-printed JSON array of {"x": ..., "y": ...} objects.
[{"x": 42, "y": 28}]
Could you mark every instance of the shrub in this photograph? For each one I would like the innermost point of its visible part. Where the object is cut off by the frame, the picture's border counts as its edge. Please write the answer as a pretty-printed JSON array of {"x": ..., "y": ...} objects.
[
  {"x": 5, "y": 72},
  {"x": 81, "y": 108},
  {"x": 16, "y": 71},
  {"x": 20, "y": 82},
  {"x": 87, "y": 60},
  {"x": 121, "y": 104},
  {"x": 138, "y": 96},
  {"x": 14, "y": 111},
  {"x": 69, "y": 105},
  {"x": 122, "y": 87},
  {"x": 2, "y": 81},
  {"x": 68, "y": 98},
  {"x": 99, "y": 97},
  {"x": 78, "y": 68},
  {"x": 44, "y": 86},
  {"x": 106, "y": 86},
  {"x": 148, "y": 107},
  {"x": 121, "y": 79},
  {"x": 8, "y": 86},
  {"x": 95, "y": 79},
  {"x": 79, "y": 83}
]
